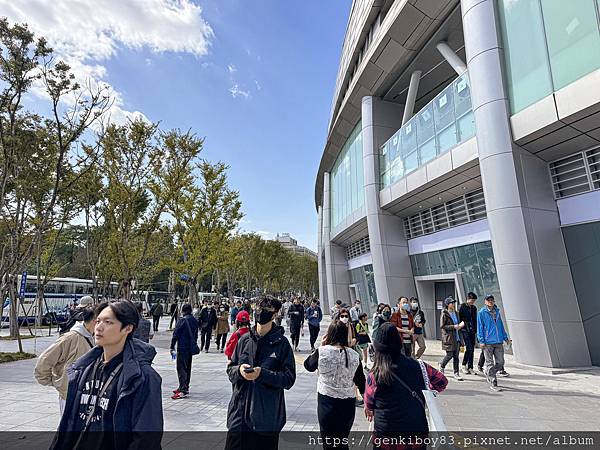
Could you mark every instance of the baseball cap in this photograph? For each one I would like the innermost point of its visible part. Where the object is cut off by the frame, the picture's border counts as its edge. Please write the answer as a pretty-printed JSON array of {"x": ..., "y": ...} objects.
[
  {"x": 489, "y": 296},
  {"x": 243, "y": 316},
  {"x": 449, "y": 300}
]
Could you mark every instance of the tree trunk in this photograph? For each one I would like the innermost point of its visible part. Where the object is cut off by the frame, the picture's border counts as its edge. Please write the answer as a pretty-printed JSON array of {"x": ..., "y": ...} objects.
[{"x": 193, "y": 292}]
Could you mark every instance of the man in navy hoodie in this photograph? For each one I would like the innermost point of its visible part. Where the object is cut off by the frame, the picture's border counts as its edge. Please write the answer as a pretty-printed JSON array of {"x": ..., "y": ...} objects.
[
  {"x": 114, "y": 394},
  {"x": 491, "y": 334},
  {"x": 185, "y": 337}
]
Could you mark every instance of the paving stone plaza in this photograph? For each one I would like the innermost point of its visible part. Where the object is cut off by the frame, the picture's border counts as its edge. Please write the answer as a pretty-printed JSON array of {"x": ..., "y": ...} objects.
[{"x": 530, "y": 400}]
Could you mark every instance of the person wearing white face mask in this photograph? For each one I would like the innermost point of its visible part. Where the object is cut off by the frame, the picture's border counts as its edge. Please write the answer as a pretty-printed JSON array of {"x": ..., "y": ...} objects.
[
  {"x": 222, "y": 327},
  {"x": 419, "y": 322}
]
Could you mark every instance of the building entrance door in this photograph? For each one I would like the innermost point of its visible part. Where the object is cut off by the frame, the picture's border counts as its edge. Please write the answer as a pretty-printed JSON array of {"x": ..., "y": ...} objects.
[
  {"x": 443, "y": 290},
  {"x": 353, "y": 295}
]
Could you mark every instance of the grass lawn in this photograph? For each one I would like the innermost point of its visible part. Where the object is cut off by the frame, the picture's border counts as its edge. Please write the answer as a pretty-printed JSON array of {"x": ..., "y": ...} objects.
[{"x": 14, "y": 356}]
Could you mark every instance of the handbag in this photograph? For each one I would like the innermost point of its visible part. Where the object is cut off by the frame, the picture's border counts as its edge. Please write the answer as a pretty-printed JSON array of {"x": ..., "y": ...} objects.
[
  {"x": 434, "y": 416},
  {"x": 195, "y": 349}
]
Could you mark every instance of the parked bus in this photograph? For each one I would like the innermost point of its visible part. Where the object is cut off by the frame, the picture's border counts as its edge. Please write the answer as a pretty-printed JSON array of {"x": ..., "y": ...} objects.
[{"x": 59, "y": 293}]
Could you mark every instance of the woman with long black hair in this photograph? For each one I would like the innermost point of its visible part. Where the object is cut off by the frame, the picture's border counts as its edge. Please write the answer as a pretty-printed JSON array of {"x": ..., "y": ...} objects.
[
  {"x": 393, "y": 396},
  {"x": 339, "y": 371}
]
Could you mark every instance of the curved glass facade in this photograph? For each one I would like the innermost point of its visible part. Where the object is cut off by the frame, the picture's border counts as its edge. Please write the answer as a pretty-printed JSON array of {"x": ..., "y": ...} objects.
[
  {"x": 563, "y": 45},
  {"x": 442, "y": 124},
  {"x": 347, "y": 179}
]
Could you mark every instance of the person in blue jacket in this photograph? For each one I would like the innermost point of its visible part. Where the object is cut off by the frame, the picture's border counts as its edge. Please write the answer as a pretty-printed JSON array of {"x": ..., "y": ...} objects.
[
  {"x": 114, "y": 394},
  {"x": 491, "y": 334},
  {"x": 314, "y": 315}
]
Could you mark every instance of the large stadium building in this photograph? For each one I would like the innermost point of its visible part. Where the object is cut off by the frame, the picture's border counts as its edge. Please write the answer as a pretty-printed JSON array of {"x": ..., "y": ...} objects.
[{"x": 463, "y": 154}]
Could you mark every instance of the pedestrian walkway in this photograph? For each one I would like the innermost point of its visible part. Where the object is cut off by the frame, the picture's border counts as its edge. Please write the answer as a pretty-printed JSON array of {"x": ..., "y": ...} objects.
[{"x": 530, "y": 400}]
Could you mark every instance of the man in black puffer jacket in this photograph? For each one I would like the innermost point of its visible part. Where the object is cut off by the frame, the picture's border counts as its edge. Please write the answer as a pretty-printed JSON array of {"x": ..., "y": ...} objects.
[{"x": 261, "y": 367}]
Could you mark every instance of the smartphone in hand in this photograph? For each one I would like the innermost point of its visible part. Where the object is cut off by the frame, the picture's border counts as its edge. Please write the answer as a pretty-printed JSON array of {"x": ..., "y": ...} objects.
[{"x": 249, "y": 370}]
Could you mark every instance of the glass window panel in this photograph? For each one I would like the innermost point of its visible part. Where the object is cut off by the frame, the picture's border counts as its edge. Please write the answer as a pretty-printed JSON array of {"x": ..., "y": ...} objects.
[
  {"x": 448, "y": 261},
  {"x": 466, "y": 260},
  {"x": 422, "y": 264},
  {"x": 411, "y": 162},
  {"x": 435, "y": 263},
  {"x": 425, "y": 124},
  {"x": 462, "y": 95},
  {"x": 394, "y": 147},
  {"x": 573, "y": 39},
  {"x": 526, "y": 58},
  {"x": 466, "y": 126},
  {"x": 428, "y": 151},
  {"x": 409, "y": 137},
  {"x": 397, "y": 170},
  {"x": 443, "y": 107},
  {"x": 447, "y": 138},
  {"x": 485, "y": 257}
]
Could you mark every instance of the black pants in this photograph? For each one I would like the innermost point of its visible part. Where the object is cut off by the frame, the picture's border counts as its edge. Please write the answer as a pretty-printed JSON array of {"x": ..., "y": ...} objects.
[
  {"x": 155, "y": 320},
  {"x": 469, "y": 338},
  {"x": 205, "y": 336},
  {"x": 481, "y": 361},
  {"x": 245, "y": 439},
  {"x": 452, "y": 355},
  {"x": 336, "y": 416},
  {"x": 407, "y": 349},
  {"x": 222, "y": 339},
  {"x": 173, "y": 320},
  {"x": 184, "y": 371},
  {"x": 313, "y": 330},
  {"x": 295, "y": 334}
]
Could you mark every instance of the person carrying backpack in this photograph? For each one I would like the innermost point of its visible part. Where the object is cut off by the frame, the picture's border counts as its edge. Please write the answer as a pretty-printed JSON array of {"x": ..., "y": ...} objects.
[
  {"x": 52, "y": 364},
  {"x": 242, "y": 327},
  {"x": 186, "y": 337},
  {"x": 156, "y": 312}
]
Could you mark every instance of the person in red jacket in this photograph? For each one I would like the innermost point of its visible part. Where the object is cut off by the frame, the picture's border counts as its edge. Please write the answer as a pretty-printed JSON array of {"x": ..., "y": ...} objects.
[{"x": 242, "y": 325}]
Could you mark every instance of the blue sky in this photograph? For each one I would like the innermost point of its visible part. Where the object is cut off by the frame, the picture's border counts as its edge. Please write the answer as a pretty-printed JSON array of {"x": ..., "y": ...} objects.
[{"x": 255, "y": 78}]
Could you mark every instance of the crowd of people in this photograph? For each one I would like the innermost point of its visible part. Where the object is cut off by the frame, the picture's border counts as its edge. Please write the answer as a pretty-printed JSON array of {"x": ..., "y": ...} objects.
[{"x": 102, "y": 368}]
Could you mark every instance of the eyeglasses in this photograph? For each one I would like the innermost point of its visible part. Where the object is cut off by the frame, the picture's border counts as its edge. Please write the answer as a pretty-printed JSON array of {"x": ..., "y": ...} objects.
[{"x": 344, "y": 316}]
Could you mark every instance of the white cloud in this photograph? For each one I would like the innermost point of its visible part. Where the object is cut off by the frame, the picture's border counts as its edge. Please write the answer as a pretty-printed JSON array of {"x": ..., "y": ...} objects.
[
  {"x": 258, "y": 86},
  {"x": 85, "y": 34},
  {"x": 231, "y": 68},
  {"x": 265, "y": 234},
  {"x": 236, "y": 91}
]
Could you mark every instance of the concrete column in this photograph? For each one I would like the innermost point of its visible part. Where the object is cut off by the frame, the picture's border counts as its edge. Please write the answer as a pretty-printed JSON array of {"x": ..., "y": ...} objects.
[
  {"x": 321, "y": 263},
  {"x": 411, "y": 96},
  {"x": 451, "y": 57},
  {"x": 336, "y": 265},
  {"x": 537, "y": 289},
  {"x": 389, "y": 248}
]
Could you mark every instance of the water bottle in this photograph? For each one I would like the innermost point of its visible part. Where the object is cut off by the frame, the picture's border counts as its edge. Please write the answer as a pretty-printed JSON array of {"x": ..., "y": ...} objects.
[{"x": 173, "y": 355}]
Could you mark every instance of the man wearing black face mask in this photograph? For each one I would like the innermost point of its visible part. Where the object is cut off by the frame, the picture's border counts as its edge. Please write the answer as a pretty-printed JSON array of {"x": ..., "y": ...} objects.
[
  {"x": 296, "y": 318},
  {"x": 261, "y": 367}
]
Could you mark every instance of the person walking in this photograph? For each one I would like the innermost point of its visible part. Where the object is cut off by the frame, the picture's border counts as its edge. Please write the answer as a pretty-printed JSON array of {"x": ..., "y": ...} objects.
[
  {"x": 335, "y": 310},
  {"x": 362, "y": 337},
  {"x": 222, "y": 327},
  {"x": 156, "y": 313},
  {"x": 242, "y": 326},
  {"x": 355, "y": 311},
  {"x": 467, "y": 313},
  {"x": 114, "y": 394},
  {"x": 450, "y": 325},
  {"x": 143, "y": 331},
  {"x": 383, "y": 315},
  {"x": 403, "y": 321},
  {"x": 296, "y": 318},
  {"x": 419, "y": 322},
  {"x": 261, "y": 367},
  {"x": 174, "y": 313},
  {"x": 185, "y": 337},
  {"x": 52, "y": 364},
  {"x": 339, "y": 372},
  {"x": 314, "y": 315},
  {"x": 491, "y": 335},
  {"x": 207, "y": 321},
  {"x": 234, "y": 310},
  {"x": 393, "y": 397}
]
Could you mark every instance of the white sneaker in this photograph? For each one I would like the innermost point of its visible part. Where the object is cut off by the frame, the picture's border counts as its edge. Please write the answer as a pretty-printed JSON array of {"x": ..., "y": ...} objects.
[{"x": 457, "y": 377}]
